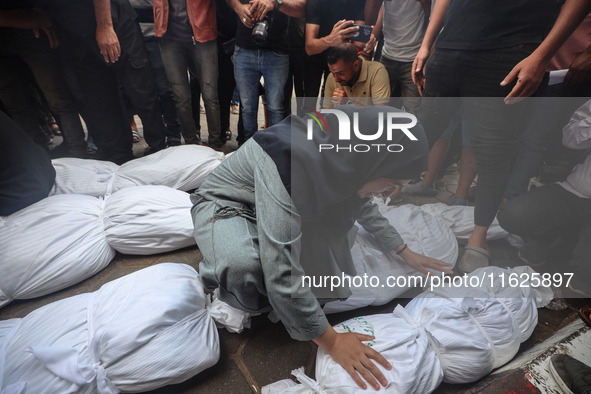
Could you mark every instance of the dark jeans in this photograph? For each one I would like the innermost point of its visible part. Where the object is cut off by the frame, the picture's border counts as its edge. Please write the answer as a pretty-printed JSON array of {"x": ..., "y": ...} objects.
[
  {"x": 401, "y": 85},
  {"x": 135, "y": 74},
  {"x": 295, "y": 83},
  {"x": 103, "y": 112},
  {"x": 315, "y": 74},
  {"x": 177, "y": 56},
  {"x": 472, "y": 78},
  {"x": 163, "y": 90},
  {"x": 226, "y": 86},
  {"x": 548, "y": 212},
  {"x": 98, "y": 83},
  {"x": 45, "y": 67}
]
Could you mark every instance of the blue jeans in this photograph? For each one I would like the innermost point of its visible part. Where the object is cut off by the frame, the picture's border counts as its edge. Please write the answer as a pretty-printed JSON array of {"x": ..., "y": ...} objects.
[
  {"x": 177, "y": 56},
  {"x": 249, "y": 66}
]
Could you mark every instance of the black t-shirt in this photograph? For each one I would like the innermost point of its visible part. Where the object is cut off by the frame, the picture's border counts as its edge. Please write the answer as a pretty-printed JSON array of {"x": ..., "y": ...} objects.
[
  {"x": 179, "y": 27},
  {"x": 78, "y": 16},
  {"x": 74, "y": 16},
  {"x": 226, "y": 21},
  {"x": 277, "y": 34},
  {"x": 486, "y": 24},
  {"x": 326, "y": 13}
]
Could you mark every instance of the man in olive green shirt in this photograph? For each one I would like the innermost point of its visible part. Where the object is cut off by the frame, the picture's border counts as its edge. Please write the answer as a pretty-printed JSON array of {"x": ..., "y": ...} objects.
[{"x": 354, "y": 79}]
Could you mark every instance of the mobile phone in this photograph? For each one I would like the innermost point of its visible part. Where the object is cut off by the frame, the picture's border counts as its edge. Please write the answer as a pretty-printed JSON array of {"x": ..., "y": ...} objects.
[{"x": 363, "y": 34}]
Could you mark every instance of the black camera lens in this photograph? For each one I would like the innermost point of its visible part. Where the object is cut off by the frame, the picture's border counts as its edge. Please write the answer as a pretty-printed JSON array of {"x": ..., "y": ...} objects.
[{"x": 260, "y": 31}]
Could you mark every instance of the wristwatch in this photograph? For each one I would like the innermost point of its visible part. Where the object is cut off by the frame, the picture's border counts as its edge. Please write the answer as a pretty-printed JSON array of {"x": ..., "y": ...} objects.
[{"x": 278, "y": 4}]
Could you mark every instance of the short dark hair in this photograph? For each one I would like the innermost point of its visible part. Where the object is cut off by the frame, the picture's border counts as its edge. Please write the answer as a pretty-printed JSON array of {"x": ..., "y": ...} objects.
[{"x": 346, "y": 51}]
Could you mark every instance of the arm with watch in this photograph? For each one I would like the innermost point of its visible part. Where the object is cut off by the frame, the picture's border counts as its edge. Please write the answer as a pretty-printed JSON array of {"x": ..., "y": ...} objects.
[{"x": 259, "y": 8}]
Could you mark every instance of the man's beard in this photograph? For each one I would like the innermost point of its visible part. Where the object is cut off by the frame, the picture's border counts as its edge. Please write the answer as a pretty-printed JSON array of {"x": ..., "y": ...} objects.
[{"x": 348, "y": 83}]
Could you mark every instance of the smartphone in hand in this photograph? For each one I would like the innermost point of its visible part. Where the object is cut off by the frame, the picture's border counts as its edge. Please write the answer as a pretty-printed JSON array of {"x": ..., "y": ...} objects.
[{"x": 363, "y": 34}]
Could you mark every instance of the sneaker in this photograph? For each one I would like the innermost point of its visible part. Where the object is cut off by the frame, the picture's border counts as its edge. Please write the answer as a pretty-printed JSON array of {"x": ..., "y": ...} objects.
[
  {"x": 135, "y": 135},
  {"x": 234, "y": 109},
  {"x": 571, "y": 375},
  {"x": 419, "y": 189}
]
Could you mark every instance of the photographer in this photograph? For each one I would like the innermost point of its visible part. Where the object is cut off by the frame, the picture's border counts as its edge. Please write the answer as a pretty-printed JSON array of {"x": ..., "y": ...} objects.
[{"x": 262, "y": 50}]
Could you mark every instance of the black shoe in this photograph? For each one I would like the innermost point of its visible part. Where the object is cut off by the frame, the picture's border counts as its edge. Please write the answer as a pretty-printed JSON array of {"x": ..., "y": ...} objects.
[
  {"x": 571, "y": 375},
  {"x": 150, "y": 149},
  {"x": 173, "y": 142},
  {"x": 196, "y": 141}
]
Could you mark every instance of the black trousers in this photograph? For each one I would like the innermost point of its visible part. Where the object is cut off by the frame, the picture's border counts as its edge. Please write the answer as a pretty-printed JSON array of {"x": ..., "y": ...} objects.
[
  {"x": 473, "y": 78},
  {"x": 98, "y": 82}
]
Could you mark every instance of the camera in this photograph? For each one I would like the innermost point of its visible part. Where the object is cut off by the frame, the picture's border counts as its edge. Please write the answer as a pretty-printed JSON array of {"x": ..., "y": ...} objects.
[
  {"x": 260, "y": 31},
  {"x": 363, "y": 34}
]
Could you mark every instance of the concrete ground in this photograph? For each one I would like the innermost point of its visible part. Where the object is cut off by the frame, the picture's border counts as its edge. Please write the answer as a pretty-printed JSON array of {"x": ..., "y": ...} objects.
[{"x": 265, "y": 353}]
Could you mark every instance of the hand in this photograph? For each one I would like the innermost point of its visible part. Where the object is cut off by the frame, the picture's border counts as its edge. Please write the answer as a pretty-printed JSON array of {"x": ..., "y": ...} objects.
[
  {"x": 418, "y": 68},
  {"x": 385, "y": 187},
  {"x": 355, "y": 357},
  {"x": 340, "y": 33},
  {"x": 243, "y": 12},
  {"x": 339, "y": 97},
  {"x": 580, "y": 69},
  {"x": 529, "y": 73},
  {"x": 422, "y": 263},
  {"x": 370, "y": 45},
  {"x": 259, "y": 8},
  {"x": 53, "y": 41},
  {"x": 108, "y": 43}
]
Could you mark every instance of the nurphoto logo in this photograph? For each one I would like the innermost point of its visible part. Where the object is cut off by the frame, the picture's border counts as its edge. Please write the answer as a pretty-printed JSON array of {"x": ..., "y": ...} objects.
[{"x": 395, "y": 122}]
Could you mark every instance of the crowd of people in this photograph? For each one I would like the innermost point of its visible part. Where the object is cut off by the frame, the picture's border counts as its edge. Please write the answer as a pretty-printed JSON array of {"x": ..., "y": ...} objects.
[{"x": 454, "y": 64}]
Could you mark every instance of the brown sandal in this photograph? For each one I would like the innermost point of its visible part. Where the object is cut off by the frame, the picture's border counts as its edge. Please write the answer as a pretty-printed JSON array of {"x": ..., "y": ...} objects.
[{"x": 585, "y": 315}]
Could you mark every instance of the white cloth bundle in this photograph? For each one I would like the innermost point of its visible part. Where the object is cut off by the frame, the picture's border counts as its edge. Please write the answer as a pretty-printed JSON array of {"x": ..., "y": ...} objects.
[
  {"x": 146, "y": 220},
  {"x": 50, "y": 245},
  {"x": 481, "y": 328},
  {"x": 83, "y": 176},
  {"x": 461, "y": 220},
  {"x": 145, "y": 330},
  {"x": 465, "y": 336},
  {"x": 416, "y": 367},
  {"x": 180, "y": 167},
  {"x": 64, "y": 239},
  {"x": 423, "y": 233}
]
